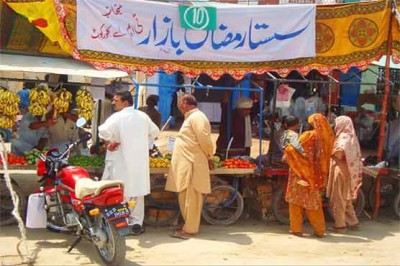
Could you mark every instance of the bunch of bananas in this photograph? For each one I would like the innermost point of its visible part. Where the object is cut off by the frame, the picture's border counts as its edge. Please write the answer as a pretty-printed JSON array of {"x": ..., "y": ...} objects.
[
  {"x": 9, "y": 107},
  {"x": 61, "y": 100},
  {"x": 84, "y": 101},
  {"x": 39, "y": 99},
  {"x": 6, "y": 122},
  {"x": 159, "y": 163},
  {"x": 9, "y": 102},
  {"x": 37, "y": 109}
]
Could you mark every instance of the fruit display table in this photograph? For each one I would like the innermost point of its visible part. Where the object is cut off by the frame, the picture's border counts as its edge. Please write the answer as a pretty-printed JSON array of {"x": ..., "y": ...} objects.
[
  {"x": 20, "y": 169},
  {"x": 31, "y": 169},
  {"x": 216, "y": 171}
]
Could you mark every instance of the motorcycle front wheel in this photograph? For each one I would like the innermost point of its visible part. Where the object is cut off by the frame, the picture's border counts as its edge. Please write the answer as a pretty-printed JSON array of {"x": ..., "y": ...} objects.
[{"x": 113, "y": 248}]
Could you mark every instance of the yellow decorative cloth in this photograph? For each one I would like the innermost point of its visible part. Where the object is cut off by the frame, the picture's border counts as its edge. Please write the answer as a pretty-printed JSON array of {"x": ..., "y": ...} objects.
[{"x": 42, "y": 14}]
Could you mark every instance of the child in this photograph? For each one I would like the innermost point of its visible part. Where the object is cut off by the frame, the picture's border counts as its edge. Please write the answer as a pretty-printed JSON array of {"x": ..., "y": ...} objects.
[{"x": 290, "y": 137}]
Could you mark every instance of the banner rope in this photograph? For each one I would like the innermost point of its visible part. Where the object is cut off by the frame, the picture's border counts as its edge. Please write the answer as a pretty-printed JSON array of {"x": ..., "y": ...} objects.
[{"x": 22, "y": 245}]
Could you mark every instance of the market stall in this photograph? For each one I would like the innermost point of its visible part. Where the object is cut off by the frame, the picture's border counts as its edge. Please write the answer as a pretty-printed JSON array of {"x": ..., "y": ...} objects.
[{"x": 329, "y": 55}]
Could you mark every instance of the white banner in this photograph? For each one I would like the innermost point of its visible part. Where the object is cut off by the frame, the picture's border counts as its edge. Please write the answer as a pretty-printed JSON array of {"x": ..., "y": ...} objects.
[{"x": 152, "y": 30}]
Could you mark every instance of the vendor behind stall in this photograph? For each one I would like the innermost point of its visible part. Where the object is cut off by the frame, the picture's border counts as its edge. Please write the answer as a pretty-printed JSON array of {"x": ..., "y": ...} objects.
[
  {"x": 364, "y": 127},
  {"x": 151, "y": 111},
  {"x": 32, "y": 133},
  {"x": 240, "y": 128},
  {"x": 63, "y": 131},
  {"x": 275, "y": 151}
]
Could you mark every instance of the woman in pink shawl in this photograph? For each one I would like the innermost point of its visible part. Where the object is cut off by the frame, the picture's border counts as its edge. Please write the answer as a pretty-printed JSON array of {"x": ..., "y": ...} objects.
[{"x": 345, "y": 175}]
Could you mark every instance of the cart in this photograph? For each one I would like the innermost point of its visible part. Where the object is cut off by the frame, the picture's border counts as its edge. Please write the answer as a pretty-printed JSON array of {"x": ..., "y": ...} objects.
[{"x": 223, "y": 206}]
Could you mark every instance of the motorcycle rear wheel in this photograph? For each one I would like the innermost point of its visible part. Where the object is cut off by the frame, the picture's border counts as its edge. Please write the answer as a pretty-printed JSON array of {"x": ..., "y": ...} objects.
[
  {"x": 114, "y": 250},
  {"x": 7, "y": 205}
]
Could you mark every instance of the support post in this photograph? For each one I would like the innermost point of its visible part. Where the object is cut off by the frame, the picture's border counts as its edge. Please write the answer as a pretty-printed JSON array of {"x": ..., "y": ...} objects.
[{"x": 382, "y": 126}]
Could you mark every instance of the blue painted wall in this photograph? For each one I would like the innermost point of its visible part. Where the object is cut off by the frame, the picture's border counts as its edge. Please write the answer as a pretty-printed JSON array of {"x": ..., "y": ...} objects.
[
  {"x": 349, "y": 93},
  {"x": 165, "y": 94}
]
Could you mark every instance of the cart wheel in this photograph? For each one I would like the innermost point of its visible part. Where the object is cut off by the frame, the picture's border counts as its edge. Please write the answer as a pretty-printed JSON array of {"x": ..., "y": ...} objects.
[
  {"x": 358, "y": 204},
  {"x": 386, "y": 193},
  {"x": 396, "y": 205},
  {"x": 7, "y": 205},
  {"x": 371, "y": 198},
  {"x": 161, "y": 207},
  {"x": 223, "y": 206},
  {"x": 280, "y": 207}
]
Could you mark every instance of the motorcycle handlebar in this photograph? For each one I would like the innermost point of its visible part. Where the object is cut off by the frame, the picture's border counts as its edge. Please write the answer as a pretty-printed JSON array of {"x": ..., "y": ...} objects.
[{"x": 86, "y": 137}]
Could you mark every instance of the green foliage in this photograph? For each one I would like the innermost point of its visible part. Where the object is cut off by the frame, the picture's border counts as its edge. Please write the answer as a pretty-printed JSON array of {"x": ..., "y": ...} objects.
[
  {"x": 32, "y": 157},
  {"x": 87, "y": 161}
]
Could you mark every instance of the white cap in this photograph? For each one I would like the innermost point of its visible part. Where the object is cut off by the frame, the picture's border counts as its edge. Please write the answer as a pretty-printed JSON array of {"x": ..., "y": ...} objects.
[{"x": 244, "y": 103}]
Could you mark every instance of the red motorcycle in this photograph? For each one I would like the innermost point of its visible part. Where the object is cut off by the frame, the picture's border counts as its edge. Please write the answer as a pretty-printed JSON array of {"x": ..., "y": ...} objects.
[{"x": 75, "y": 203}]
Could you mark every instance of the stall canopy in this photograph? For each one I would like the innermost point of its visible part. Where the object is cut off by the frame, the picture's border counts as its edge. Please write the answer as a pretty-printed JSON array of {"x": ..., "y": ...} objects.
[
  {"x": 39, "y": 64},
  {"x": 344, "y": 35},
  {"x": 347, "y": 35}
]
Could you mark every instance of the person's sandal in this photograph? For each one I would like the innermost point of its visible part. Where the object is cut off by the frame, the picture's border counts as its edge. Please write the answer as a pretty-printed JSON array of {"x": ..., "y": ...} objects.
[
  {"x": 318, "y": 235},
  {"x": 299, "y": 234},
  {"x": 355, "y": 227},
  {"x": 181, "y": 234},
  {"x": 339, "y": 230}
]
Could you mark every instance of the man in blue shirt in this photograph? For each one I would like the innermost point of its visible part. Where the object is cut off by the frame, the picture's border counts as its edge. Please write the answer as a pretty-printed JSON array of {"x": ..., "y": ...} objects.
[{"x": 32, "y": 133}]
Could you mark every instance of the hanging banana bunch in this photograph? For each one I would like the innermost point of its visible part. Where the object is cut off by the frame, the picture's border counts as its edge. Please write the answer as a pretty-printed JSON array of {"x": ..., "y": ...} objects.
[
  {"x": 84, "y": 101},
  {"x": 9, "y": 103},
  {"x": 61, "y": 101},
  {"x": 39, "y": 99},
  {"x": 37, "y": 109},
  {"x": 6, "y": 122}
]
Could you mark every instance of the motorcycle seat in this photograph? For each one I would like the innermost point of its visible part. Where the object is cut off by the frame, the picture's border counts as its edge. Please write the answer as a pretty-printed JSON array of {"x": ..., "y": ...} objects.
[{"x": 88, "y": 187}]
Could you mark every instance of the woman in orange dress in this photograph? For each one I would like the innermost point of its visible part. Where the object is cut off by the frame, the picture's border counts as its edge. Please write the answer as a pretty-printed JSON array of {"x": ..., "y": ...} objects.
[
  {"x": 345, "y": 175},
  {"x": 314, "y": 166}
]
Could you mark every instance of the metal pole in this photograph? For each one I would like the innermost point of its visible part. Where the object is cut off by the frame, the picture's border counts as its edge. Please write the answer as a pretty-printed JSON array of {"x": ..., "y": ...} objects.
[
  {"x": 260, "y": 127},
  {"x": 387, "y": 88},
  {"x": 330, "y": 94},
  {"x": 275, "y": 80},
  {"x": 136, "y": 84},
  {"x": 260, "y": 123},
  {"x": 99, "y": 116}
]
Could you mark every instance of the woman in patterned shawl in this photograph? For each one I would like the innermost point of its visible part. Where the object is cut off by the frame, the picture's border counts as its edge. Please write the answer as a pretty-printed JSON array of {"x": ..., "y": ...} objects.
[
  {"x": 317, "y": 144},
  {"x": 345, "y": 175}
]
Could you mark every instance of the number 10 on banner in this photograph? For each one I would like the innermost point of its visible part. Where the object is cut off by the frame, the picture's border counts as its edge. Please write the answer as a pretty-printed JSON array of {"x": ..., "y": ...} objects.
[{"x": 198, "y": 17}]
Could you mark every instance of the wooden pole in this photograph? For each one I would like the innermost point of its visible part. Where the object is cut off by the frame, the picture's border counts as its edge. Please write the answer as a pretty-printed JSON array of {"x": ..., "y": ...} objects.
[{"x": 387, "y": 88}]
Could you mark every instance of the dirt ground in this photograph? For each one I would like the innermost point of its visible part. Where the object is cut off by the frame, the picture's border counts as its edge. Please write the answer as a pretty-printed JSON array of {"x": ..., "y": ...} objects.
[{"x": 248, "y": 242}]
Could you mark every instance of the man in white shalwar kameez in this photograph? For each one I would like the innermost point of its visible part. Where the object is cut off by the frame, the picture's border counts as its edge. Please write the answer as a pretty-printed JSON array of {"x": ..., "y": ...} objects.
[{"x": 127, "y": 134}]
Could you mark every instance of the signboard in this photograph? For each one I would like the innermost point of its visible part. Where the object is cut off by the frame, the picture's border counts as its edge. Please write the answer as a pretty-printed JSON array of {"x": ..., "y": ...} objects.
[
  {"x": 198, "y": 17},
  {"x": 149, "y": 29}
]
